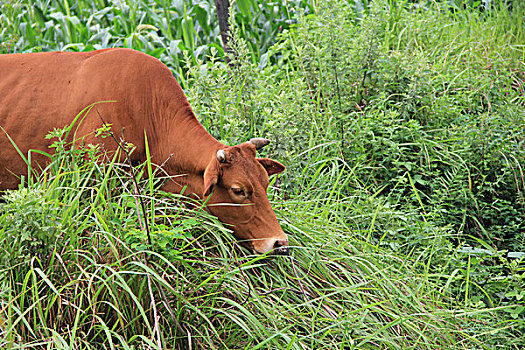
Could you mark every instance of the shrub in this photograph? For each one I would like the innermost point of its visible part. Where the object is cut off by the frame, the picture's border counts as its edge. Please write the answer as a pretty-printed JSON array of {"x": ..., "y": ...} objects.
[{"x": 31, "y": 226}]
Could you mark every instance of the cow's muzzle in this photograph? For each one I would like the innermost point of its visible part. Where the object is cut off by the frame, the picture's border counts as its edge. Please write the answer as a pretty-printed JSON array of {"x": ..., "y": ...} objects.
[
  {"x": 281, "y": 247},
  {"x": 274, "y": 246}
]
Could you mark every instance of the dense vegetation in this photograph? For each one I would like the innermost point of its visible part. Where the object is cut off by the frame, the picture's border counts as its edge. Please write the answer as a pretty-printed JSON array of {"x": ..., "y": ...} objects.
[{"x": 402, "y": 126}]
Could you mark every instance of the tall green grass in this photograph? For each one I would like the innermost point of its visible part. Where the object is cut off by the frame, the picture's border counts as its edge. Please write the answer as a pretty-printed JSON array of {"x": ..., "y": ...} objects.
[{"x": 92, "y": 281}]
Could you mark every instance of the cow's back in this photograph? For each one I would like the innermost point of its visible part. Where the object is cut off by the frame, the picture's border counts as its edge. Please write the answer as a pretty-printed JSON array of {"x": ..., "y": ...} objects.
[{"x": 42, "y": 91}]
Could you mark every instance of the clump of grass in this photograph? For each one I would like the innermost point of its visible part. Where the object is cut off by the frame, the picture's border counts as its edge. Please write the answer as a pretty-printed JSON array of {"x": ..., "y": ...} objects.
[{"x": 195, "y": 287}]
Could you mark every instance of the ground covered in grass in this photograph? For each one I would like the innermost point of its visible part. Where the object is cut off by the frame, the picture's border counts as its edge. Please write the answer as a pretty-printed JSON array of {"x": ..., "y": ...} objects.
[{"x": 401, "y": 124}]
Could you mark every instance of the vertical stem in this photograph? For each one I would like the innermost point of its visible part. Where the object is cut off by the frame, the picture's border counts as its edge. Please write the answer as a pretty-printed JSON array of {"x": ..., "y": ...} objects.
[
  {"x": 223, "y": 7},
  {"x": 338, "y": 91}
]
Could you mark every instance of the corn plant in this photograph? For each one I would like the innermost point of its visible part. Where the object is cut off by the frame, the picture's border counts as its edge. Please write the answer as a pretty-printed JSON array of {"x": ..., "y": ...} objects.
[{"x": 161, "y": 28}]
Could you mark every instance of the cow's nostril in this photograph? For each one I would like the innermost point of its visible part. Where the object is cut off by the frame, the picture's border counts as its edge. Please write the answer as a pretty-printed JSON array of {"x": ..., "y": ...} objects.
[{"x": 281, "y": 247}]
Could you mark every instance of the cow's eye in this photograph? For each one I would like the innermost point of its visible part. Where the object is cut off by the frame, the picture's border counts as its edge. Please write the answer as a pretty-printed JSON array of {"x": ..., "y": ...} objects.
[{"x": 238, "y": 191}]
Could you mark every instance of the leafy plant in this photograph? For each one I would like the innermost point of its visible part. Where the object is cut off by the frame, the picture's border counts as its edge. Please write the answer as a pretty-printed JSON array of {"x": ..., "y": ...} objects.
[
  {"x": 163, "y": 29},
  {"x": 31, "y": 226}
]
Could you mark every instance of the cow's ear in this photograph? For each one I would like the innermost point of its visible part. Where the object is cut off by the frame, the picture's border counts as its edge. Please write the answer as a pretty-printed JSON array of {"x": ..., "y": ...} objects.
[
  {"x": 211, "y": 176},
  {"x": 271, "y": 166}
]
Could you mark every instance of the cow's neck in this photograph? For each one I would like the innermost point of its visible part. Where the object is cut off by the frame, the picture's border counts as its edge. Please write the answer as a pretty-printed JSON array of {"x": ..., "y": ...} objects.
[{"x": 187, "y": 151}]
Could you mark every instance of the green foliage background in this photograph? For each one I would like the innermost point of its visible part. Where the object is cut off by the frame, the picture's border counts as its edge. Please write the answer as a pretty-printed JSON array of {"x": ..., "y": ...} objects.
[{"x": 402, "y": 127}]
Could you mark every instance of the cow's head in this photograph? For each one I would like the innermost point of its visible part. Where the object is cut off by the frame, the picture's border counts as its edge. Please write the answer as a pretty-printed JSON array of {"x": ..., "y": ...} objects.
[{"x": 236, "y": 182}]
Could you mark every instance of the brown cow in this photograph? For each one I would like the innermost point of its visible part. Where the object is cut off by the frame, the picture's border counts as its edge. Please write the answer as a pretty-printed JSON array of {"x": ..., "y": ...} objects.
[{"x": 42, "y": 91}]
